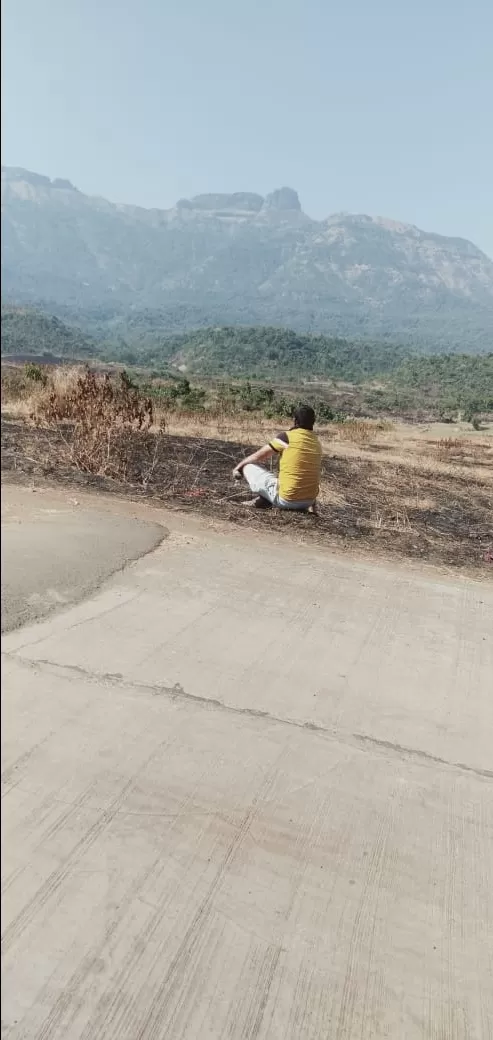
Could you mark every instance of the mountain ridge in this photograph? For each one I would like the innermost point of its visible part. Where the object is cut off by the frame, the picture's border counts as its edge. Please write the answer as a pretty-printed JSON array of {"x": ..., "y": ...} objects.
[{"x": 244, "y": 258}]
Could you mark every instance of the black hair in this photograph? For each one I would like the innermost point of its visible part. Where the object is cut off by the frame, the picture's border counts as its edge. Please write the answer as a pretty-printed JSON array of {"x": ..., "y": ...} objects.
[{"x": 304, "y": 417}]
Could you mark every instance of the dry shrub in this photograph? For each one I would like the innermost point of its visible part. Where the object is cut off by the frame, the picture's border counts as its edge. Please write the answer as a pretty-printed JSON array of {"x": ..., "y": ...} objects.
[
  {"x": 390, "y": 520},
  {"x": 458, "y": 446},
  {"x": 423, "y": 503},
  {"x": 16, "y": 385},
  {"x": 448, "y": 448},
  {"x": 450, "y": 443},
  {"x": 103, "y": 423},
  {"x": 356, "y": 431},
  {"x": 91, "y": 400},
  {"x": 121, "y": 452},
  {"x": 52, "y": 400}
]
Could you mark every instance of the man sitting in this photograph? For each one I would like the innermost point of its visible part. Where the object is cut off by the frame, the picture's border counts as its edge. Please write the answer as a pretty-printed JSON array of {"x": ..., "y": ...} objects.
[{"x": 299, "y": 467}]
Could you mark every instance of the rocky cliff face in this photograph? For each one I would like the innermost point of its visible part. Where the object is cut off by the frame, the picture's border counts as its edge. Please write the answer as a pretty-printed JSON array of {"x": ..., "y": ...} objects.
[{"x": 242, "y": 258}]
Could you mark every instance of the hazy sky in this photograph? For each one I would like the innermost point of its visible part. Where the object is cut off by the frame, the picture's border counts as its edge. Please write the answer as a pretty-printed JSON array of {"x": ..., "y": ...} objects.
[{"x": 375, "y": 106}]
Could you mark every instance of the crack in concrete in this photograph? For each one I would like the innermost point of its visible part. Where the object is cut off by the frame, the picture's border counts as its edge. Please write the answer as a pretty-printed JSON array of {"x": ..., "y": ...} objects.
[
  {"x": 400, "y": 749},
  {"x": 359, "y": 741}
]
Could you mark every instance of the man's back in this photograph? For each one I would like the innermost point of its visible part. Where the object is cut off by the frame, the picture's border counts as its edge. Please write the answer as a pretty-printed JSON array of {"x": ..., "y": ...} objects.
[{"x": 300, "y": 465}]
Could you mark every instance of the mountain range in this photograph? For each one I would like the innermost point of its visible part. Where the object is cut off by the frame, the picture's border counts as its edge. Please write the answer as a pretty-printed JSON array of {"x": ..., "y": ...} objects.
[{"x": 241, "y": 259}]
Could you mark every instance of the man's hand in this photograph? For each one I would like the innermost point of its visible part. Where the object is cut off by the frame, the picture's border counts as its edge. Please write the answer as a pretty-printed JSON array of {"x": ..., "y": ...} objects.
[{"x": 258, "y": 456}]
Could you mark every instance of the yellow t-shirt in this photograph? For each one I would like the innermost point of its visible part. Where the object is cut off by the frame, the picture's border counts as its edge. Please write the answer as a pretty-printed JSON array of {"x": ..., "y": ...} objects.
[{"x": 299, "y": 465}]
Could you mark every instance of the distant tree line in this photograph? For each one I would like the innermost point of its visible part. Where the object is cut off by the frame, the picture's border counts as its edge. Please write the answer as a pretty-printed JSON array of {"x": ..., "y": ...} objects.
[{"x": 391, "y": 377}]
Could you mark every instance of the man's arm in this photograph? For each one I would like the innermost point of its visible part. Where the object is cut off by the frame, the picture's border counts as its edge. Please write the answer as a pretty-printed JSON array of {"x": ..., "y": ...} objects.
[{"x": 258, "y": 456}]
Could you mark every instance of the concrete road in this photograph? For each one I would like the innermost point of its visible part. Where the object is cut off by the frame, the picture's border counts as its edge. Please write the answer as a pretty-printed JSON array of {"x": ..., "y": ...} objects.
[
  {"x": 54, "y": 553},
  {"x": 248, "y": 793}
]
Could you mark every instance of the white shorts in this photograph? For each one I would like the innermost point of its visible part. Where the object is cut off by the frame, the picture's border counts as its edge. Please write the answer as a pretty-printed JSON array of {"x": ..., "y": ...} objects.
[{"x": 262, "y": 482}]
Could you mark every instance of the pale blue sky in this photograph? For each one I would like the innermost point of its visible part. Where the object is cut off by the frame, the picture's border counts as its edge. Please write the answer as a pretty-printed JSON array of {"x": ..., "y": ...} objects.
[{"x": 373, "y": 106}]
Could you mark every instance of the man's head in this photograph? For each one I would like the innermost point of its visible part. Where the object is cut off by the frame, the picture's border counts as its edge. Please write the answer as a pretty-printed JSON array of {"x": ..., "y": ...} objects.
[{"x": 304, "y": 417}]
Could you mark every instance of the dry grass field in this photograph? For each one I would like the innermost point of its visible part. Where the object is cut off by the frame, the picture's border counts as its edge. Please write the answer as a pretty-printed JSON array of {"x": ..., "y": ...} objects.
[{"x": 415, "y": 491}]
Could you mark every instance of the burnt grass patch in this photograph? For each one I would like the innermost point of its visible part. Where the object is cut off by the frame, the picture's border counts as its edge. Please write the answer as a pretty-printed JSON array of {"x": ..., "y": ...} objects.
[{"x": 378, "y": 506}]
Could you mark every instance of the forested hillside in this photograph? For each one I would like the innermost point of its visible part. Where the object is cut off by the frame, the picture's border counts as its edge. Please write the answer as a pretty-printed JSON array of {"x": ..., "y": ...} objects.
[
  {"x": 394, "y": 379},
  {"x": 28, "y": 331}
]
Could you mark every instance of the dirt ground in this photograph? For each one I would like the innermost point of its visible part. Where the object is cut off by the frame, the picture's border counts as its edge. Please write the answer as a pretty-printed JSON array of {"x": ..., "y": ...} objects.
[{"x": 411, "y": 491}]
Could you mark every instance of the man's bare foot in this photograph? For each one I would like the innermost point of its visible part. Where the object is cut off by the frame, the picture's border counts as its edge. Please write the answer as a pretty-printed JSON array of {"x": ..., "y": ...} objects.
[{"x": 313, "y": 509}]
